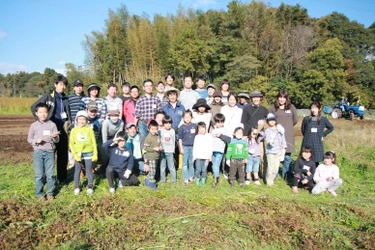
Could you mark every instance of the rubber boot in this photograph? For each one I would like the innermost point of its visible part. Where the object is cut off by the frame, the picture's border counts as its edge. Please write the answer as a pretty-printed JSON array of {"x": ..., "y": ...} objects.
[
  {"x": 197, "y": 181},
  {"x": 231, "y": 183},
  {"x": 152, "y": 185},
  {"x": 147, "y": 182},
  {"x": 203, "y": 182}
]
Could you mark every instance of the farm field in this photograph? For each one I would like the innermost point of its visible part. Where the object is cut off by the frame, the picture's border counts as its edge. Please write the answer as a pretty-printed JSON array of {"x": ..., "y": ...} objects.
[{"x": 190, "y": 217}]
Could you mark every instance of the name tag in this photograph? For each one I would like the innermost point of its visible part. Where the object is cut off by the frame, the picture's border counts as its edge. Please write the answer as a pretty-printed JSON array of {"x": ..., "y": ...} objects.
[
  {"x": 46, "y": 132},
  {"x": 154, "y": 106},
  {"x": 306, "y": 167},
  {"x": 63, "y": 115},
  {"x": 192, "y": 130},
  {"x": 314, "y": 130},
  {"x": 287, "y": 111}
]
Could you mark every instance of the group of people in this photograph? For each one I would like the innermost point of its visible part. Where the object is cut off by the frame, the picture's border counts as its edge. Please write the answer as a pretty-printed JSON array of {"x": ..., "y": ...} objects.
[{"x": 132, "y": 134}]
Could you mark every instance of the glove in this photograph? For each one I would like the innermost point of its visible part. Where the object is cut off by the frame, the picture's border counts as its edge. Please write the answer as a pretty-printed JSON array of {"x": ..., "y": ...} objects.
[
  {"x": 127, "y": 174},
  {"x": 77, "y": 157},
  {"x": 94, "y": 157},
  {"x": 280, "y": 129},
  {"x": 228, "y": 162}
]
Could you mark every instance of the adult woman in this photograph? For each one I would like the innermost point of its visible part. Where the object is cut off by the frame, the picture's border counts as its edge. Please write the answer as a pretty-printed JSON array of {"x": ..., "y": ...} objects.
[
  {"x": 93, "y": 91},
  {"x": 224, "y": 88},
  {"x": 286, "y": 115},
  {"x": 232, "y": 113}
]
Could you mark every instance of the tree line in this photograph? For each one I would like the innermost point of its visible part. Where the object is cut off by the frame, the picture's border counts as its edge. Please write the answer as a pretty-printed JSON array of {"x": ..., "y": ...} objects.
[{"x": 253, "y": 45}]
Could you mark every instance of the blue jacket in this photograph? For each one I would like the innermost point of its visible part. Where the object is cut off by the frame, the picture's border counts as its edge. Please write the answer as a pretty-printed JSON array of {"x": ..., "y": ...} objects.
[
  {"x": 175, "y": 113},
  {"x": 120, "y": 160}
]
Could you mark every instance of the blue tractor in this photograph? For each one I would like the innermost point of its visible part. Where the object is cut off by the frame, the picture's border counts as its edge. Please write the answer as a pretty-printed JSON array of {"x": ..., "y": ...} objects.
[{"x": 344, "y": 110}]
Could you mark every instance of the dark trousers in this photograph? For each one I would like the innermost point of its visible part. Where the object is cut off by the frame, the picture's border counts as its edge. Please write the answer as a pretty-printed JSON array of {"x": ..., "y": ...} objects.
[
  {"x": 62, "y": 156},
  {"x": 237, "y": 165},
  {"x": 111, "y": 174},
  {"x": 298, "y": 177}
]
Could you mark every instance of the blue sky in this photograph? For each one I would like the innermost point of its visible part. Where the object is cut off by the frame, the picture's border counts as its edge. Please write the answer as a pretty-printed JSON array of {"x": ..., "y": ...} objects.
[{"x": 35, "y": 34}]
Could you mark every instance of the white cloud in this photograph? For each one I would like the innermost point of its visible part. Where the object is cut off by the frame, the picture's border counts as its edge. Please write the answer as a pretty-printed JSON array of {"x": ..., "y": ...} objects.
[
  {"x": 6, "y": 68},
  {"x": 2, "y": 34},
  {"x": 61, "y": 62},
  {"x": 61, "y": 71}
]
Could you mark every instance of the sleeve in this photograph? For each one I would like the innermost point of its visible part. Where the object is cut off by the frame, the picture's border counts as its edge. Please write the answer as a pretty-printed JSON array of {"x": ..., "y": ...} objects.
[
  {"x": 283, "y": 141},
  {"x": 106, "y": 146},
  {"x": 148, "y": 145},
  {"x": 195, "y": 147},
  {"x": 105, "y": 131},
  {"x": 137, "y": 109},
  {"x": 228, "y": 155},
  {"x": 93, "y": 140},
  {"x": 103, "y": 112},
  {"x": 30, "y": 136},
  {"x": 244, "y": 121},
  {"x": 295, "y": 114},
  {"x": 336, "y": 173},
  {"x": 72, "y": 137},
  {"x": 158, "y": 104},
  {"x": 317, "y": 174},
  {"x": 57, "y": 138},
  {"x": 298, "y": 166},
  {"x": 180, "y": 132},
  {"x": 312, "y": 167},
  {"x": 225, "y": 138},
  {"x": 130, "y": 162},
  {"x": 304, "y": 125},
  {"x": 121, "y": 127},
  {"x": 245, "y": 151},
  {"x": 329, "y": 127}
]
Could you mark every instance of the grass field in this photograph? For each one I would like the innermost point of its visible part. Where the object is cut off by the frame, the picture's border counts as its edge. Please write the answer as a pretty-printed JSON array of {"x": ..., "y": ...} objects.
[
  {"x": 9, "y": 105},
  {"x": 189, "y": 217}
]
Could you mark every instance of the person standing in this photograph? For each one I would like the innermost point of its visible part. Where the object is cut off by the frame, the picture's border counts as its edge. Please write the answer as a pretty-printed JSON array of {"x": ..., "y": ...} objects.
[
  {"x": 244, "y": 98},
  {"x": 210, "y": 92},
  {"x": 129, "y": 105},
  {"x": 145, "y": 108},
  {"x": 59, "y": 113},
  {"x": 93, "y": 91},
  {"x": 111, "y": 100},
  {"x": 160, "y": 89},
  {"x": 125, "y": 91},
  {"x": 75, "y": 99},
  {"x": 188, "y": 96},
  {"x": 286, "y": 115},
  {"x": 200, "y": 87},
  {"x": 169, "y": 79},
  {"x": 254, "y": 114}
]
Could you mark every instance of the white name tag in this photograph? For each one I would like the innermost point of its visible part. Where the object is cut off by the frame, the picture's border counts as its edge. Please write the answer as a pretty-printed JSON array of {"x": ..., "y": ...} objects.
[
  {"x": 63, "y": 115},
  {"x": 314, "y": 130},
  {"x": 46, "y": 132},
  {"x": 192, "y": 130},
  {"x": 154, "y": 106},
  {"x": 287, "y": 111},
  {"x": 306, "y": 167}
]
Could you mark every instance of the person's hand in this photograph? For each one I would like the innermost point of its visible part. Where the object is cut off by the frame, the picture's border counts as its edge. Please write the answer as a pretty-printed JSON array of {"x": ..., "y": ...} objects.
[
  {"x": 280, "y": 129},
  {"x": 156, "y": 148},
  {"x": 308, "y": 173},
  {"x": 94, "y": 157},
  {"x": 182, "y": 151},
  {"x": 194, "y": 159},
  {"x": 55, "y": 134},
  {"x": 146, "y": 167},
  {"x": 245, "y": 161},
  {"x": 218, "y": 135},
  {"x": 228, "y": 162},
  {"x": 38, "y": 141},
  {"x": 127, "y": 174},
  {"x": 77, "y": 157}
]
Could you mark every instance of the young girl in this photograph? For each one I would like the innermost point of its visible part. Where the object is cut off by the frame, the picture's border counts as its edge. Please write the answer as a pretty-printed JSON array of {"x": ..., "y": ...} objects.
[
  {"x": 236, "y": 156},
  {"x": 82, "y": 144},
  {"x": 253, "y": 161},
  {"x": 186, "y": 135},
  {"x": 304, "y": 170},
  {"x": 202, "y": 153},
  {"x": 327, "y": 175},
  {"x": 314, "y": 128},
  {"x": 232, "y": 113},
  {"x": 275, "y": 147},
  {"x": 201, "y": 112}
]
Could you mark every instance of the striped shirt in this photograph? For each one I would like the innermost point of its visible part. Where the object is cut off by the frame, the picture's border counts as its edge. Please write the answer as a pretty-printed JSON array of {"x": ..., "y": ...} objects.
[
  {"x": 146, "y": 107},
  {"x": 75, "y": 103},
  {"x": 102, "y": 107}
]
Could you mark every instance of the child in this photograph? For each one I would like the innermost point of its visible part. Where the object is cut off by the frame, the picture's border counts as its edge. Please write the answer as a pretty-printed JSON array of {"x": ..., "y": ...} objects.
[
  {"x": 202, "y": 152},
  {"x": 275, "y": 147},
  {"x": 158, "y": 117},
  {"x": 82, "y": 144},
  {"x": 120, "y": 162},
  {"x": 327, "y": 175},
  {"x": 112, "y": 125},
  {"x": 314, "y": 128},
  {"x": 135, "y": 143},
  {"x": 237, "y": 156},
  {"x": 304, "y": 169},
  {"x": 221, "y": 137},
  {"x": 152, "y": 149},
  {"x": 210, "y": 92},
  {"x": 168, "y": 140},
  {"x": 253, "y": 160},
  {"x": 201, "y": 112},
  {"x": 224, "y": 88},
  {"x": 186, "y": 136},
  {"x": 42, "y": 136}
]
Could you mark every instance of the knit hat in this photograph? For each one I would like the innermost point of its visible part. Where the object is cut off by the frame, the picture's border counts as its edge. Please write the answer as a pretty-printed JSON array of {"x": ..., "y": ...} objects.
[{"x": 217, "y": 93}]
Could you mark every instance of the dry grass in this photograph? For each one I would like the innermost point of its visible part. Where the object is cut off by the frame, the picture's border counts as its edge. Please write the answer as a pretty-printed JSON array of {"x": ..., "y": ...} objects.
[{"x": 9, "y": 105}]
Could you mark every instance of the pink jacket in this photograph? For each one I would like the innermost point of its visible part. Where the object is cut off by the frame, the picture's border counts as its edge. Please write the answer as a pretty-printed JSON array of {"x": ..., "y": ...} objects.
[{"x": 128, "y": 110}]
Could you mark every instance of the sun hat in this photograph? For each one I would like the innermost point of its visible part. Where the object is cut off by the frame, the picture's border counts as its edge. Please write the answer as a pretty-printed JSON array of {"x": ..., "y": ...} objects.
[
  {"x": 201, "y": 102},
  {"x": 93, "y": 85},
  {"x": 244, "y": 93},
  {"x": 217, "y": 93},
  {"x": 256, "y": 93},
  {"x": 172, "y": 89}
]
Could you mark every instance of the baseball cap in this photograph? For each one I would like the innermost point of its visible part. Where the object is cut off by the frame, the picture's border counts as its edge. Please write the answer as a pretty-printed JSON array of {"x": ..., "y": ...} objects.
[
  {"x": 77, "y": 82},
  {"x": 211, "y": 85},
  {"x": 113, "y": 112},
  {"x": 92, "y": 106},
  {"x": 270, "y": 116},
  {"x": 240, "y": 125},
  {"x": 130, "y": 124}
]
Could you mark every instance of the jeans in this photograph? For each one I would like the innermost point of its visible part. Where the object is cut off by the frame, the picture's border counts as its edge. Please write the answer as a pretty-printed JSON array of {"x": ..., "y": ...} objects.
[
  {"x": 216, "y": 163},
  {"x": 142, "y": 128},
  {"x": 187, "y": 163},
  {"x": 138, "y": 167},
  {"x": 253, "y": 164},
  {"x": 201, "y": 168},
  {"x": 44, "y": 165},
  {"x": 286, "y": 164},
  {"x": 167, "y": 159}
]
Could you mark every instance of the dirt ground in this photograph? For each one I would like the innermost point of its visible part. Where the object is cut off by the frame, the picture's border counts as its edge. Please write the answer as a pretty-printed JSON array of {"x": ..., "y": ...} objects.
[{"x": 14, "y": 147}]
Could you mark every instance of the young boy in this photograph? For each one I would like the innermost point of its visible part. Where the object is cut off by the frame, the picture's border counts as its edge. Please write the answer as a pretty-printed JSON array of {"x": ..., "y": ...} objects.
[
  {"x": 152, "y": 149},
  {"x": 120, "y": 162},
  {"x": 112, "y": 125},
  {"x": 200, "y": 87},
  {"x": 221, "y": 137},
  {"x": 237, "y": 156},
  {"x": 135, "y": 143},
  {"x": 210, "y": 92},
  {"x": 82, "y": 144},
  {"x": 188, "y": 96},
  {"x": 42, "y": 136},
  {"x": 125, "y": 91},
  {"x": 168, "y": 143}
]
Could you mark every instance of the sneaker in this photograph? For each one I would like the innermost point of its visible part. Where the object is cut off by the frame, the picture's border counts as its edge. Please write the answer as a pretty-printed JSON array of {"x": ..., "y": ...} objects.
[
  {"x": 247, "y": 182},
  {"x": 119, "y": 184},
  {"x": 89, "y": 191},
  {"x": 295, "y": 189},
  {"x": 112, "y": 190},
  {"x": 225, "y": 174},
  {"x": 332, "y": 192},
  {"x": 191, "y": 180},
  {"x": 257, "y": 182},
  {"x": 232, "y": 184},
  {"x": 186, "y": 182},
  {"x": 242, "y": 184},
  {"x": 50, "y": 197},
  {"x": 41, "y": 198},
  {"x": 76, "y": 191}
]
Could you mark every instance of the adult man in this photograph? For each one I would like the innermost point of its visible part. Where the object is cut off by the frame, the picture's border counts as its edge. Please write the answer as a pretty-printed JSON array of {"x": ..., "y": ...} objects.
[
  {"x": 129, "y": 104},
  {"x": 244, "y": 97},
  {"x": 111, "y": 100},
  {"x": 125, "y": 91},
  {"x": 146, "y": 107},
  {"x": 200, "y": 87},
  {"x": 160, "y": 87},
  {"x": 75, "y": 99},
  {"x": 59, "y": 113},
  {"x": 253, "y": 115},
  {"x": 173, "y": 108},
  {"x": 188, "y": 96}
]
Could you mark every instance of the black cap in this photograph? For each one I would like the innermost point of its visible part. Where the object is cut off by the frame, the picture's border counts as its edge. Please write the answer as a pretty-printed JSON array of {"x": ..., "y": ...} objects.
[
  {"x": 77, "y": 82},
  {"x": 125, "y": 84}
]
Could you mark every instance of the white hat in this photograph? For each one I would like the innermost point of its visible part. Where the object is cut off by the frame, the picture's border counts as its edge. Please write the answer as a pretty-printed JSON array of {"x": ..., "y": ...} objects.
[{"x": 82, "y": 113}]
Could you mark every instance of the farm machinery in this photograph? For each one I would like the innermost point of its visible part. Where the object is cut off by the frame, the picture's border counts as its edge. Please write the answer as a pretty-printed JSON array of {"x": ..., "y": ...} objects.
[{"x": 345, "y": 111}]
